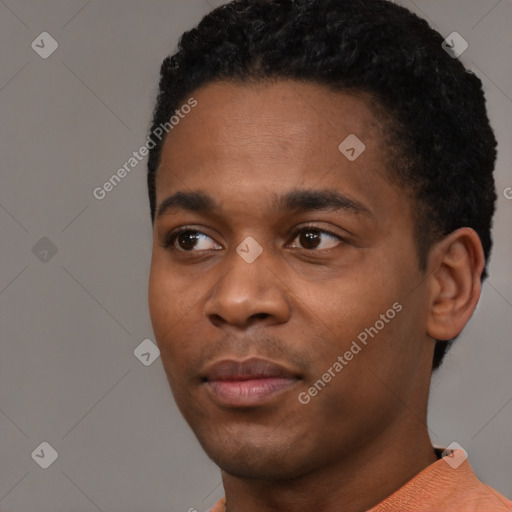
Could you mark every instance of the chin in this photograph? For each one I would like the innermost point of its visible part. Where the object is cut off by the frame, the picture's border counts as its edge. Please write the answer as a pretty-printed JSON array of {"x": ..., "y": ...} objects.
[
  {"x": 244, "y": 458},
  {"x": 265, "y": 468}
]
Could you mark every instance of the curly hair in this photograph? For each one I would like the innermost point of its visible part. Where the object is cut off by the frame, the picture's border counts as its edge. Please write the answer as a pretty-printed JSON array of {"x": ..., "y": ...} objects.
[{"x": 443, "y": 147}]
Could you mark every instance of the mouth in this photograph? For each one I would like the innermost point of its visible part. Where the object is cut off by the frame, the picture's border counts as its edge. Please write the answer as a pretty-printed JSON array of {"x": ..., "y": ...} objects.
[{"x": 248, "y": 383}]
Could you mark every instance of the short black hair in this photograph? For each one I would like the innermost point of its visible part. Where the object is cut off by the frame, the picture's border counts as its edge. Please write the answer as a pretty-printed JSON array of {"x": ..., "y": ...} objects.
[{"x": 442, "y": 147}]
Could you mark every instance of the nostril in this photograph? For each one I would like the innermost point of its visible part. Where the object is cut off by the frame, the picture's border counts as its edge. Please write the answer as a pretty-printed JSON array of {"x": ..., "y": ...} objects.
[{"x": 260, "y": 316}]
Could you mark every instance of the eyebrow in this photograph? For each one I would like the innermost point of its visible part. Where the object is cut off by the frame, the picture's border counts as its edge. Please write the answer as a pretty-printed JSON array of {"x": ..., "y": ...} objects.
[{"x": 299, "y": 200}]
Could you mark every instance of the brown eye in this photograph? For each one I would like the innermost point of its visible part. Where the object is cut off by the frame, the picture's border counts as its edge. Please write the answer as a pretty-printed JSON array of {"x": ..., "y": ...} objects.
[
  {"x": 186, "y": 240},
  {"x": 311, "y": 238}
]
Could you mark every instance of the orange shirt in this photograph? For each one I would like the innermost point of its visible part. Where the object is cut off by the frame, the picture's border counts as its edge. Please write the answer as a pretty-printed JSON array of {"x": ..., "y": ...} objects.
[{"x": 444, "y": 486}]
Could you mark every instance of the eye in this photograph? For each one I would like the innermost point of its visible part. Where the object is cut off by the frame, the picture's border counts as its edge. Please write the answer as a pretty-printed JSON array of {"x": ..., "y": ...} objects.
[
  {"x": 191, "y": 240},
  {"x": 311, "y": 238},
  {"x": 187, "y": 239}
]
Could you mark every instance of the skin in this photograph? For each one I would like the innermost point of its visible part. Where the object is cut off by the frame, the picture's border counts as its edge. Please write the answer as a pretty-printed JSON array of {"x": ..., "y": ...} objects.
[{"x": 301, "y": 303}]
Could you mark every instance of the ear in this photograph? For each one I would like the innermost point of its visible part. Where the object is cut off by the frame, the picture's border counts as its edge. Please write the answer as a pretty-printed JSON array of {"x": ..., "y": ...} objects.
[{"x": 455, "y": 266}]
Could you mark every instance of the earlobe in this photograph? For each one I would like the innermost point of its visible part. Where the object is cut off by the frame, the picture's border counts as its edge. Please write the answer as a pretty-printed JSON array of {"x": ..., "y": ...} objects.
[{"x": 455, "y": 267}]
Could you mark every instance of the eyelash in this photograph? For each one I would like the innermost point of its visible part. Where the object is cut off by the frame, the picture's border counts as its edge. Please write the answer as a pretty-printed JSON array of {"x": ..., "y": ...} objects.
[{"x": 171, "y": 237}]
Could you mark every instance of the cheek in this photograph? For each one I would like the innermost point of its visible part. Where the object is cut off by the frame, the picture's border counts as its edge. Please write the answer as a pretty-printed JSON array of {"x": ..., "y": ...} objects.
[
  {"x": 173, "y": 308},
  {"x": 362, "y": 319},
  {"x": 158, "y": 300},
  {"x": 165, "y": 308},
  {"x": 353, "y": 303}
]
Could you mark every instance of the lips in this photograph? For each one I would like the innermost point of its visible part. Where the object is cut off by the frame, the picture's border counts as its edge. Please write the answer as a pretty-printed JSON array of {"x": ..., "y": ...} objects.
[
  {"x": 248, "y": 383},
  {"x": 230, "y": 370}
]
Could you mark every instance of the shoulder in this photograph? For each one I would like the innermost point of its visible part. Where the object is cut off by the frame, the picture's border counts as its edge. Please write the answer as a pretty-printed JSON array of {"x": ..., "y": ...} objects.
[{"x": 445, "y": 487}]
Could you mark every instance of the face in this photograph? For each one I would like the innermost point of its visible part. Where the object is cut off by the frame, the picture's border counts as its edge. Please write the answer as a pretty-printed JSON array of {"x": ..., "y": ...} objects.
[{"x": 285, "y": 293}]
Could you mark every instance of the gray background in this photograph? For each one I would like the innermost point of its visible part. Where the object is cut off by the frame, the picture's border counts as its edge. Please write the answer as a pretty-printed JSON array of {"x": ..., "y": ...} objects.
[{"x": 71, "y": 322}]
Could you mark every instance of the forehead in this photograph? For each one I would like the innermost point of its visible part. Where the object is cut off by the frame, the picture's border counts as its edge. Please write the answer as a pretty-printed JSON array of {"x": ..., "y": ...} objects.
[
  {"x": 272, "y": 135},
  {"x": 285, "y": 115}
]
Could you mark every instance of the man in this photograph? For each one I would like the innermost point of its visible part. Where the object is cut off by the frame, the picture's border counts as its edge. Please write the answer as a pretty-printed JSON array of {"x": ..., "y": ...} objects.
[{"x": 321, "y": 191}]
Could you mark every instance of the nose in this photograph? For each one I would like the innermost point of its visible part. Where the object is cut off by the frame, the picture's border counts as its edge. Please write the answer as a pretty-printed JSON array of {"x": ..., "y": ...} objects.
[{"x": 248, "y": 293}]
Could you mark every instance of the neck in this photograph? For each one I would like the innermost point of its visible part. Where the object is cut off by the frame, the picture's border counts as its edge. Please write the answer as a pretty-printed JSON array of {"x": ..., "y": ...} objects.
[{"x": 355, "y": 483}]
